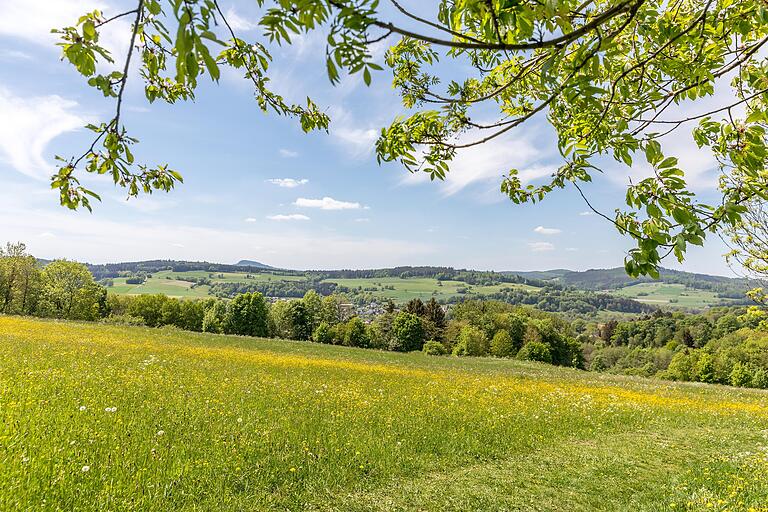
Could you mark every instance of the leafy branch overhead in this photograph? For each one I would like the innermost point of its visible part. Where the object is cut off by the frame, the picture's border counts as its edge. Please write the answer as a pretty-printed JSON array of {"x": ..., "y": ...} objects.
[{"x": 607, "y": 74}]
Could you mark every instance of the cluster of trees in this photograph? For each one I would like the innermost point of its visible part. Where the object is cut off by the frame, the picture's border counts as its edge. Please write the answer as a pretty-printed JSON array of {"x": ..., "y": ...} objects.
[
  {"x": 556, "y": 299},
  {"x": 112, "y": 270},
  {"x": 723, "y": 345},
  {"x": 287, "y": 288},
  {"x": 614, "y": 278},
  {"x": 62, "y": 289}
]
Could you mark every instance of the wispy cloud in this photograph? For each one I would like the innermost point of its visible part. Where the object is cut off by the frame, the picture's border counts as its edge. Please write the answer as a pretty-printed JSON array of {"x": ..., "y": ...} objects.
[
  {"x": 486, "y": 163},
  {"x": 541, "y": 246},
  {"x": 6, "y": 54},
  {"x": 546, "y": 231},
  {"x": 250, "y": 219},
  {"x": 287, "y": 153},
  {"x": 28, "y": 125},
  {"x": 292, "y": 216},
  {"x": 288, "y": 182},
  {"x": 327, "y": 203},
  {"x": 240, "y": 23},
  {"x": 587, "y": 213}
]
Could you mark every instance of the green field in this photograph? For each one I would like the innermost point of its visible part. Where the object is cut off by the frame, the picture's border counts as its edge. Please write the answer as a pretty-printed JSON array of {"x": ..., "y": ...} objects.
[
  {"x": 423, "y": 288},
  {"x": 399, "y": 289},
  {"x": 675, "y": 295},
  {"x": 97, "y": 417},
  {"x": 153, "y": 285}
]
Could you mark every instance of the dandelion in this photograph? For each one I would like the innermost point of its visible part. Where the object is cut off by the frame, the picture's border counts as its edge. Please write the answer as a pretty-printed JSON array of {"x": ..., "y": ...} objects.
[
  {"x": 82, "y": 408},
  {"x": 110, "y": 409},
  {"x": 86, "y": 469},
  {"x": 160, "y": 433},
  {"x": 239, "y": 420}
]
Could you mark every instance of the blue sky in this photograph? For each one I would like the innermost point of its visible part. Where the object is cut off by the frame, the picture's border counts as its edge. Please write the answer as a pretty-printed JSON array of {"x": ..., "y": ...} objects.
[{"x": 257, "y": 187}]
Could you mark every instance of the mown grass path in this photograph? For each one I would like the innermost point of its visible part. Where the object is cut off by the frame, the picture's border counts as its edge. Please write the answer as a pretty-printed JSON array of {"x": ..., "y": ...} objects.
[{"x": 99, "y": 417}]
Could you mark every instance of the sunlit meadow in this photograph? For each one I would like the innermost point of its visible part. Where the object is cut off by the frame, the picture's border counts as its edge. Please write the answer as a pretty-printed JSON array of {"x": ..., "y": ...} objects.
[{"x": 117, "y": 418}]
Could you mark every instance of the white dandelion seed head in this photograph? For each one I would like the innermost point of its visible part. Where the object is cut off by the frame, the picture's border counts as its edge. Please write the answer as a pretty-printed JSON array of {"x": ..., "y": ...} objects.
[{"x": 86, "y": 469}]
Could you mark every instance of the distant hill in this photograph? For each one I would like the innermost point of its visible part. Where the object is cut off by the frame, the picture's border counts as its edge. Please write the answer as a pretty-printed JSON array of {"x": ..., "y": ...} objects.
[
  {"x": 616, "y": 278},
  {"x": 253, "y": 264}
]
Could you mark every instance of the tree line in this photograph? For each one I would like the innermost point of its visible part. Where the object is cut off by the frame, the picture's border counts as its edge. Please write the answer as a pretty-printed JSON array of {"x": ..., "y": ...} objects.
[{"x": 726, "y": 345}]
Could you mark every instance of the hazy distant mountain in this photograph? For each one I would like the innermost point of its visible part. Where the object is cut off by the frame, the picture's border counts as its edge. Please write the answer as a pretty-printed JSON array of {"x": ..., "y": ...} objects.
[{"x": 254, "y": 264}]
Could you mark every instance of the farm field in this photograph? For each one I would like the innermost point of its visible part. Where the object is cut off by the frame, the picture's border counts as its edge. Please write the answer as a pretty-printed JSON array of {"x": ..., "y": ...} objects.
[
  {"x": 153, "y": 285},
  {"x": 663, "y": 294},
  {"x": 424, "y": 288},
  {"x": 97, "y": 417},
  {"x": 399, "y": 289}
]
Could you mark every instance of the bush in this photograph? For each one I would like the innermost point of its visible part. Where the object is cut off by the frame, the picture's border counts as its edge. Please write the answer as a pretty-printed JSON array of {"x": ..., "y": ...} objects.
[
  {"x": 407, "y": 333},
  {"x": 741, "y": 375},
  {"x": 471, "y": 342},
  {"x": 704, "y": 371},
  {"x": 760, "y": 379},
  {"x": 502, "y": 345},
  {"x": 434, "y": 348},
  {"x": 535, "y": 351},
  {"x": 323, "y": 333},
  {"x": 124, "y": 319},
  {"x": 356, "y": 335}
]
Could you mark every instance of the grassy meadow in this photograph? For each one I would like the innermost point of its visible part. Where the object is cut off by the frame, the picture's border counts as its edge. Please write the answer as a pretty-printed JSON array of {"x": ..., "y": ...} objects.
[
  {"x": 667, "y": 294},
  {"x": 97, "y": 417},
  {"x": 398, "y": 289}
]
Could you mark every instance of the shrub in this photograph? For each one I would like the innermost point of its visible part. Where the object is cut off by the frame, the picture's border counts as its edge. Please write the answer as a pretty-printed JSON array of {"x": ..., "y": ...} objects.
[
  {"x": 434, "y": 348},
  {"x": 598, "y": 364},
  {"x": 407, "y": 333},
  {"x": 471, "y": 342},
  {"x": 760, "y": 379},
  {"x": 741, "y": 375},
  {"x": 323, "y": 333},
  {"x": 356, "y": 335},
  {"x": 704, "y": 371},
  {"x": 535, "y": 351},
  {"x": 124, "y": 319},
  {"x": 502, "y": 345}
]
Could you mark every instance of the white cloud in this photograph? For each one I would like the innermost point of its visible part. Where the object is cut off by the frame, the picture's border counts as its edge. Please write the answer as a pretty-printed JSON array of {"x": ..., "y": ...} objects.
[
  {"x": 239, "y": 23},
  {"x": 6, "y": 54},
  {"x": 250, "y": 219},
  {"x": 571, "y": 249},
  {"x": 358, "y": 141},
  {"x": 94, "y": 238},
  {"x": 362, "y": 219},
  {"x": 32, "y": 21},
  {"x": 546, "y": 231},
  {"x": 587, "y": 213},
  {"x": 327, "y": 203},
  {"x": 288, "y": 182},
  {"x": 541, "y": 246},
  {"x": 287, "y": 153},
  {"x": 28, "y": 125},
  {"x": 486, "y": 163},
  {"x": 292, "y": 216}
]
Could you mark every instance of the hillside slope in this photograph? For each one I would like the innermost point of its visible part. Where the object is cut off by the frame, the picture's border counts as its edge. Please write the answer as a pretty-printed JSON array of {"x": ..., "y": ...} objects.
[{"x": 141, "y": 419}]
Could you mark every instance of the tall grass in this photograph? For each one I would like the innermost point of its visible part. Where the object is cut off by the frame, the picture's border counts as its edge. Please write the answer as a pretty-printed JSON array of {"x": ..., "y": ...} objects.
[{"x": 116, "y": 418}]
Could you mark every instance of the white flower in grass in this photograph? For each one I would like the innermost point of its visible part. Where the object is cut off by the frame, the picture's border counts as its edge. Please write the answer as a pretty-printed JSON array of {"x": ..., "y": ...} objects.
[
  {"x": 110, "y": 409},
  {"x": 86, "y": 469},
  {"x": 160, "y": 433}
]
